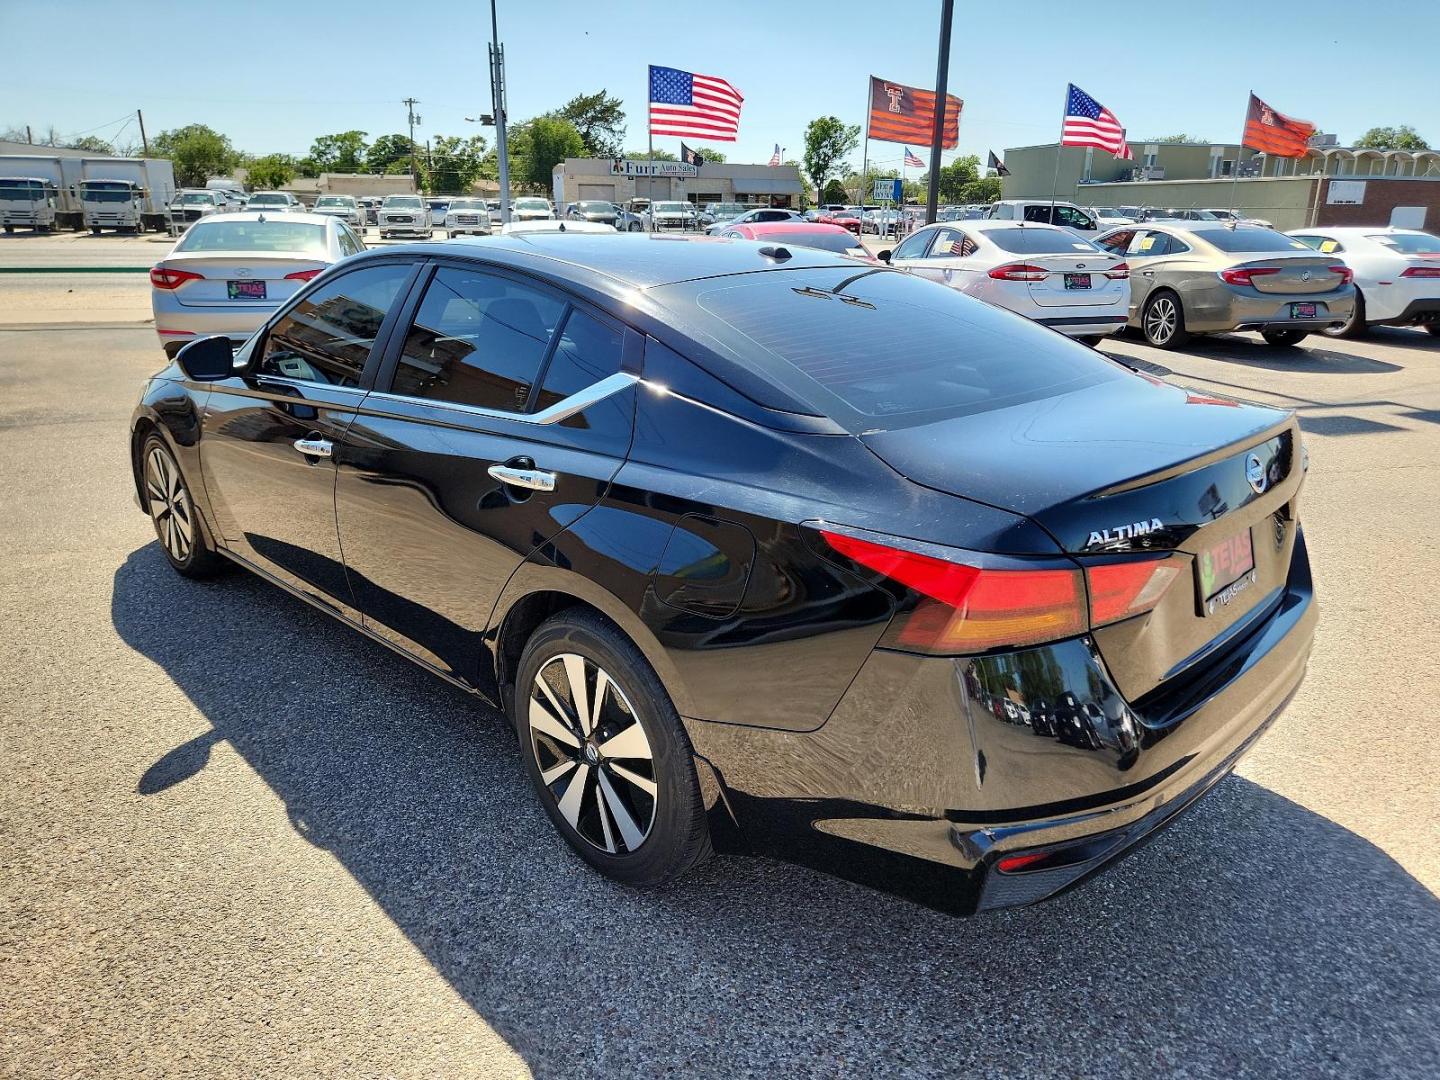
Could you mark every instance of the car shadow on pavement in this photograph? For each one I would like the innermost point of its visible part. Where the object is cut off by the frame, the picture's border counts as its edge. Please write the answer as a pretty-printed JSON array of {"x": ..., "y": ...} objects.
[
  {"x": 1308, "y": 358},
  {"x": 1254, "y": 938}
]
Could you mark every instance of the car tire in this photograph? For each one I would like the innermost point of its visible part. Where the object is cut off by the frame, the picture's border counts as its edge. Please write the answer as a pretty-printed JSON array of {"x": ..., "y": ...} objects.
[
  {"x": 1094, "y": 341},
  {"x": 94, "y": 230},
  {"x": 1163, "y": 321},
  {"x": 635, "y": 814},
  {"x": 1284, "y": 339},
  {"x": 1433, "y": 329},
  {"x": 172, "y": 511},
  {"x": 635, "y": 226},
  {"x": 1356, "y": 325}
]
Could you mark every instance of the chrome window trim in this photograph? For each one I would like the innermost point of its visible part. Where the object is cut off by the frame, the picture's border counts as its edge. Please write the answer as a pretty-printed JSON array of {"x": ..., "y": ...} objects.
[{"x": 561, "y": 410}]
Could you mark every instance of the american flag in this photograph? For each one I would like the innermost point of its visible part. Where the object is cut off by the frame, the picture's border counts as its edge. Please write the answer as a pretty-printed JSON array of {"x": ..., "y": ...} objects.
[
  {"x": 912, "y": 160},
  {"x": 775, "y": 157},
  {"x": 1088, "y": 123},
  {"x": 700, "y": 106}
]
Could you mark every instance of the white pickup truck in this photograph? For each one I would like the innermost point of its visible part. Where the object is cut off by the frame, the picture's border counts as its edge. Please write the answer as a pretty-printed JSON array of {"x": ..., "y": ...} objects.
[{"x": 403, "y": 215}]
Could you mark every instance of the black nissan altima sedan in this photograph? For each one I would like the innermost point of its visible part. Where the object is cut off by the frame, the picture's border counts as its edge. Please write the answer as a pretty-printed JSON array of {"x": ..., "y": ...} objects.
[{"x": 748, "y": 542}]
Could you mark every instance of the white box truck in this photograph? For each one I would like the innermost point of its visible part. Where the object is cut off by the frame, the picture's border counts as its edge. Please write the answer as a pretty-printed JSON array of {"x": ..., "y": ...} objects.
[
  {"x": 56, "y": 177},
  {"x": 125, "y": 194}
]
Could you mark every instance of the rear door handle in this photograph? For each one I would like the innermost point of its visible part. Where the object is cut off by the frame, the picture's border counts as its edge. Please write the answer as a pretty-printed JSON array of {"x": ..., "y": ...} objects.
[
  {"x": 315, "y": 447},
  {"x": 530, "y": 479}
]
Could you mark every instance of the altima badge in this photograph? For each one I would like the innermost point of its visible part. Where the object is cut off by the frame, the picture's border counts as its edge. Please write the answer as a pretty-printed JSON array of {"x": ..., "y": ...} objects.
[
  {"x": 1124, "y": 532},
  {"x": 1255, "y": 474}
]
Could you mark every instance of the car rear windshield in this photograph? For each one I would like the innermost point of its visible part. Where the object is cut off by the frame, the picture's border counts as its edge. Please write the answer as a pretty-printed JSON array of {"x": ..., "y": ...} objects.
[
  {"x": 843, "y": 243},
  {"x": 1410, "y": 243},
  {"x": 288, "y": 236},
  {"x": 1032, "y": 241},
  {"x": 877, "y": 349},
  {"x": 1249, "y": 238}
]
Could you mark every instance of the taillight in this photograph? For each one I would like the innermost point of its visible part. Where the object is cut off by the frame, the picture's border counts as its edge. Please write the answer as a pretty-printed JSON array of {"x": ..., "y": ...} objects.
[
  {"x": 1346, "y": 274},
  {"x": 1117, "y": 273},
  {"x": 166, "y": 277},
  {"x": 303, "y": 275},
  {"x": 1421, "y": 272},
  {"x": 1018, "y": 272},
  {"x": 1242, "y": 275},
  {"x": 963, "y": 608},
  {"x": 1119, "y": 590},
  {"x": 967, "y": 609}
]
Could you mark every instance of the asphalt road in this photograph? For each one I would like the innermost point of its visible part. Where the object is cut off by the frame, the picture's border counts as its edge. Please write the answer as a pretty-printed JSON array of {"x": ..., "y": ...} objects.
[{"x": 241, "y": 840}]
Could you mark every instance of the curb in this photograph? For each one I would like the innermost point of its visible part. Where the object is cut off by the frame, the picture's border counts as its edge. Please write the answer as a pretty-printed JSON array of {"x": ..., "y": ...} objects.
[{"x": 74, "y": 269}]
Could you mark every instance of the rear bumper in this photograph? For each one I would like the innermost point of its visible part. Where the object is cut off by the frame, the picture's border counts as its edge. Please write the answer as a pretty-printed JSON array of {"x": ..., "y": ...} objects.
[
  {"x": 1225, "y": 308},
  {"x": 1421, "y": 310},
  {"x": 921, "y": 781},
  {"x": 1086, "y": 325},
  {"x": 175, "y": 322}
]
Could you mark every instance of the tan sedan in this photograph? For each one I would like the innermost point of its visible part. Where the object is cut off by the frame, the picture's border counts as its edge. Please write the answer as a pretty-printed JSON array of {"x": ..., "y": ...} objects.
[{"x": 1202, "y": 277}]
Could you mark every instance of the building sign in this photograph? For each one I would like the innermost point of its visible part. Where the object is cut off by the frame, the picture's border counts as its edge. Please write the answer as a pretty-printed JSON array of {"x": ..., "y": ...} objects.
[
  {"x": 888, "y": 190},
  {"x": 1345, "y": 193},
  {"x": 626, "y": 167}
]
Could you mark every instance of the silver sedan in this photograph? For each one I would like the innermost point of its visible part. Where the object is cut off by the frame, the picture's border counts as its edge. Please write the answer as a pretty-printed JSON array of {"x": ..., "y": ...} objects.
[{"x": 231, "y": 271}]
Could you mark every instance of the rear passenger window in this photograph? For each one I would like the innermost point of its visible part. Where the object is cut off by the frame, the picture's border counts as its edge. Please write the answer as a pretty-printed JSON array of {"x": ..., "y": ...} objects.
[
  {"x": 588, "y": 351},
  {"x": 327, "y": 337},
  {"x": 477, "y": 339},
  {"x": 947, "y": 244}
]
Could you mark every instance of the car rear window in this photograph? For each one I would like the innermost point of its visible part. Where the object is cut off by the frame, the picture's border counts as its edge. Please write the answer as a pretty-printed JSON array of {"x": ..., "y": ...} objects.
[
  {"x": 825, "y": 241},
  {"x": 1249, "y": 239},
  {"x": 879, "y": 349},
  {"x": 1410, "y": 243},
  {"x": 1032, "y": 241},
  {"x": 300, "y": 236}
]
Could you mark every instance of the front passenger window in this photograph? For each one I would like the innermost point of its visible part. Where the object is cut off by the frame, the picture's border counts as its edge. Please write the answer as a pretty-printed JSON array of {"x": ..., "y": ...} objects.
[
  {"x": 478, "y": 340},
  {"x": 327, "y": 337}
]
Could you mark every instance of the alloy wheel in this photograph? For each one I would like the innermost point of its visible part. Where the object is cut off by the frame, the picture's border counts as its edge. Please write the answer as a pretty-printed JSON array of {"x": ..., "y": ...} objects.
[
  {"x": 593, "y": 756},
  {"x": 169, "y": 505},
  {"x": 1160, "y": 320}
]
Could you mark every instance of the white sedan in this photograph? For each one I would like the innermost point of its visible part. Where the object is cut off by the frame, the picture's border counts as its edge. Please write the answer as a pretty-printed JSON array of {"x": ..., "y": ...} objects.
[
  {"x": 1043, "y": 272},
  {"x": 1397, "y": 275}
]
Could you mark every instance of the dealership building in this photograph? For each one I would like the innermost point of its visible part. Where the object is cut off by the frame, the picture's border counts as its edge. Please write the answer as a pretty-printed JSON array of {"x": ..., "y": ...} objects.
[
  {"x": 1330, "y": 185},
  {"x": 619, "y": 180}
]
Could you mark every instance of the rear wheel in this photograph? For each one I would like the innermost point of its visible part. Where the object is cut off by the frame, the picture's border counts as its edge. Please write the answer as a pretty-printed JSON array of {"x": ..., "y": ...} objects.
[
  {"x": 1355, "y": 326},
  {"x": 1094, "y": 341},
  {"x": 1433, "y": 328},
  {"x": 172, "y": 511},
  {"x": 1163, "y": 321},
  {"x": 635, "y": 226},
  {"x": 1284, "y": 338},
  {"x": 606, "y": 752}
]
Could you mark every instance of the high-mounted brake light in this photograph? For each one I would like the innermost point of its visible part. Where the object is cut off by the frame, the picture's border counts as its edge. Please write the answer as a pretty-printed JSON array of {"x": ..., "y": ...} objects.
[
  {"x": 303, "y": 275},
  {"x": 167, "y": 277},
  {"x": 1019, "y": 272},
  {"x": 1118, "y": 272},
  {"x": 1421, "y": 272},
  {"x": 1242, "y": 275}
]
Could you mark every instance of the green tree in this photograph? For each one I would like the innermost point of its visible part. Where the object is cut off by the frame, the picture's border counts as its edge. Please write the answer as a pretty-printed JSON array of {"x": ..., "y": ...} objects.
[
  {"x": 92, "y": 144},
  {"x": 598, "y": 118},
  {"x": 196, "y": 152},
  {"x": 984, "y": 189},
  {"x": 1403, "y": 137},
  {"x": 834, "y": 192},
  {"x": 709, "y": 153},
  {"x": 344, "y": 151},
  {"x": 955, "y": 177},
  {"x": 827, "y": 143},
  {"x": 270, "y": 172},
  {"x": 641, "y": 155},
  {"x": 306, "y": 166},
  {"x": 387, "y": 151},
  {"x": 540, "y": 145},
  {"x": 1176, "y": 139},
  {"x": 455, "y": 163}
]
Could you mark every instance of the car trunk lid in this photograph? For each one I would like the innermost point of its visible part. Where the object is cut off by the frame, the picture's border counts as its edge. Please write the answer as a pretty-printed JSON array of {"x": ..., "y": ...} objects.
[
  {"x": 1295, "y": 275},
  {"x": 219, "y": 269},
  {"x": 1078, "y": 280},
  {"x": 1134, "y": 470}
]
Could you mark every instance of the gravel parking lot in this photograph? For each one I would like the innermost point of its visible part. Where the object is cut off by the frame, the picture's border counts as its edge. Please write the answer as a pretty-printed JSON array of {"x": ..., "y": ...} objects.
[{"x": 240, "y": 839}]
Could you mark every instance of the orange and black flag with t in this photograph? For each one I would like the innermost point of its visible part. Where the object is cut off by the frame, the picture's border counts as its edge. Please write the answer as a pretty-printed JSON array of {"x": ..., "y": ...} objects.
[
  {"x": 906, "y": 114},
  {"x": 1274, "y": 133}
]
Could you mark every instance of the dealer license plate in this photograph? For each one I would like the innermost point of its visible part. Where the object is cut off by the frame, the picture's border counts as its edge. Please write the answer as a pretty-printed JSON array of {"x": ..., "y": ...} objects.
[
  {"x": 1077, "y": 281},
  {"x": 245, "y": 290},
  {"x": 1302, "y": 311},
  {"x": 1226, "y": 570}
]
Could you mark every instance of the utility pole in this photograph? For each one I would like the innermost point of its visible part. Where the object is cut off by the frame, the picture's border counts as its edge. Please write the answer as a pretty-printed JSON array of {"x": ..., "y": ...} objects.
[
  {"x": 497, "y": 94},
  {"x": 28, "y": 137},
  {"x": 144, "y": 142},
  {"x": 942, "y": 74},
  {"x": 410, "y": 104}
]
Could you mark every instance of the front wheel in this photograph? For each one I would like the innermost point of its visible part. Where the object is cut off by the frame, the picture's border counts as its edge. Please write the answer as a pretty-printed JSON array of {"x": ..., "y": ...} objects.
[
  {"x": 1284, "y": 338},
  {"x": 172, "y": 511},
  {"x": 607, "y": 754},
  {"x": 635, "y": 226},
  {"x": 1433, "y": 329},
  {"x": 1163, "y": 321},
  {"x": 1354, "y": 326}
]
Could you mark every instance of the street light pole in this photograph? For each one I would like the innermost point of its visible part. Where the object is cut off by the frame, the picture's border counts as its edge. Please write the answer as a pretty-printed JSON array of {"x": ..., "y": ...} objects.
[
  {"x": 497, "y": 94},
  {"x": 942, "y": 72}
]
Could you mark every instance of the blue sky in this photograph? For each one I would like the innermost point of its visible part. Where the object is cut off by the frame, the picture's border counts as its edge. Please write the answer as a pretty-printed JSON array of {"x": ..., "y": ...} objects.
[{"x": 272, "y": 83}]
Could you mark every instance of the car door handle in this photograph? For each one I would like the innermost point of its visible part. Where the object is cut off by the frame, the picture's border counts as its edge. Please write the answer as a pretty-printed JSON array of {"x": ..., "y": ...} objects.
[
  {"x": 530, "y": 479},
  {"x": 315, "y": 447}
]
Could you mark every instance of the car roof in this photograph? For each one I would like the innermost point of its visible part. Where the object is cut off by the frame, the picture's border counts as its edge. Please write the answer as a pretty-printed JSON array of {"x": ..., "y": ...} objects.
[
  {"x": 328, "y": 220},
  {"x": 793, "y": 228},
  {"x": 1362, "y": 230}
]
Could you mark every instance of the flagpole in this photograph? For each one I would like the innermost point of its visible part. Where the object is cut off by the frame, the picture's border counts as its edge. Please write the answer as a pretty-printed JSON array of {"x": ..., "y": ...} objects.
[
  {"x": 650, "y": 89},
  {"x": 1059, "y": 147},
  {"x": 942, "y": 103},
  {"x": 865, "y": 154},
  {"x": 1235, "y": 172}
]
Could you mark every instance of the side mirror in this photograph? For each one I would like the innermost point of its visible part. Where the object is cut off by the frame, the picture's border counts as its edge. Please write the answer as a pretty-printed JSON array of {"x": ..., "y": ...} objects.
[
  {"x": 884, "y": 256},
  {"x": 207, "y": 359}
]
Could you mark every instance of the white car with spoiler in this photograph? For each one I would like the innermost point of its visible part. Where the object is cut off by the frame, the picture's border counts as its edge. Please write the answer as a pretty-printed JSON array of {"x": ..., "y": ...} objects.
[
  {"x": 1397, "y": 275},
  {"x": 1044, "y": 272},
  {"x": 230, "y": 272}
]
